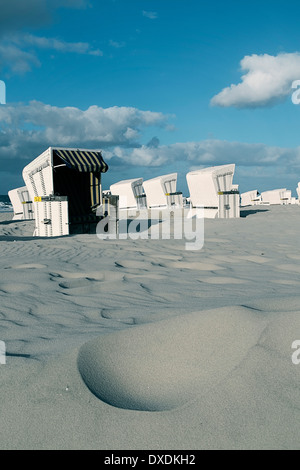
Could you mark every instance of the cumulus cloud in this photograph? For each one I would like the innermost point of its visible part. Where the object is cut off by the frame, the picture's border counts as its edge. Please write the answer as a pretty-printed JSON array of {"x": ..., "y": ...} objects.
[
  {"x": 28, "y": 129},
  {"x": 267, "y": 81},
  {"x": 209, "y": 153}
]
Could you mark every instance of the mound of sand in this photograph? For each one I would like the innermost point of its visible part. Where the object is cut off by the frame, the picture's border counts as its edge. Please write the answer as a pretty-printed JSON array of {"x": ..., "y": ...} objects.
[{"x": 162, "y": 365}]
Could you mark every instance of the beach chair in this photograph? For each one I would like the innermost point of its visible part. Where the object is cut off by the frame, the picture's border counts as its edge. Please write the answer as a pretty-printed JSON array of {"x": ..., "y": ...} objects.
[
  {"x": 212, "y": 190},
  {"x": 131, "y": 194},
  {"x": 22, "y": 204},
  {"x": 298, "y": 192},
  {"x": 161, "y": 192},
  {"x": 276, "y": 196},
  {"x": 250, "y": 198},
  {"x": 65, "y": 187},
  {"x": 286, "y": 197}
]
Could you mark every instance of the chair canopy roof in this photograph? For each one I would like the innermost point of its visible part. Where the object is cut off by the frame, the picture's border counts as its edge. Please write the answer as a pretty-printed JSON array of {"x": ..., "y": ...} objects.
[{"x": 82, "y": 160}]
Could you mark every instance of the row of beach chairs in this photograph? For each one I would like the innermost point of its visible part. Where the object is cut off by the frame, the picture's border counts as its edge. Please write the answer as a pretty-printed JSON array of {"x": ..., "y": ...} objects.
[{"x": 63, "y": 193}]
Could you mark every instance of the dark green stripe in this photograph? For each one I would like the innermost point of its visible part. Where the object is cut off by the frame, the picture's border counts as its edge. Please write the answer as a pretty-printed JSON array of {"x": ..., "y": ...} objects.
[
  {"x": 91, "y": 159},
  {"x": 65, "y": 155},
  {"x": 83, "y": 161}
]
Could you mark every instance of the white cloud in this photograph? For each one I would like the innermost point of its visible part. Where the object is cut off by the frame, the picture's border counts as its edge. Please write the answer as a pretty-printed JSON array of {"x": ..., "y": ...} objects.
[
  {"x": 56, "y": 44},
  {"x": 212, "y": 152},
  {"x": 18, "y": 60},
  {"x": 25, "y": 130},
  {"x": 28, "y": 129},
  {"x": 150, "y": 14},
  {"x": 268, "y": 80}
]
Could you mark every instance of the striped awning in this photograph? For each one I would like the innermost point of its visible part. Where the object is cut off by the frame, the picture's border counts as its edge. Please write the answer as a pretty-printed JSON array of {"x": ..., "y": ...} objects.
[{"x": 82, "y": 160}]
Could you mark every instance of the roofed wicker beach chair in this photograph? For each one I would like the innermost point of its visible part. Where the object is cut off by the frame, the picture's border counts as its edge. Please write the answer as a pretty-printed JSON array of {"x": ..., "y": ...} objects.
[
  {"x": 211, "y": 189},
  {"x": 250, "y": 198},
  {"x": 280, "y": 196},
  {"x": 22, "y": 204},
  {"x": 65, "y": 187},
  {"x": 161, "y": 192},
  {"x": 131, "y": 194}
]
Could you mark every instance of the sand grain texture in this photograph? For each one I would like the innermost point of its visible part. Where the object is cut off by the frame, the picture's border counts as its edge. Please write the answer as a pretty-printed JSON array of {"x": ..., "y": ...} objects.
[{"x": 141, "y": 344}]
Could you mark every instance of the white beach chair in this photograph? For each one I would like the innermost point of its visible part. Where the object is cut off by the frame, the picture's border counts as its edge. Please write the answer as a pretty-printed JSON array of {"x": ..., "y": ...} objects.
[
  {"x": 276, "y": 196},
  {"x": 298, "y": 192},
  {"x": 212, "y": 189},
  {"x": 286, "y": 197},
  {"x": 161, "y": 192},
  {"x": 65, "y": 187},
  {"x": 22, "y": 204},
  {"x": 131, "y": 194},
  {"x": 250, "y": 198}
]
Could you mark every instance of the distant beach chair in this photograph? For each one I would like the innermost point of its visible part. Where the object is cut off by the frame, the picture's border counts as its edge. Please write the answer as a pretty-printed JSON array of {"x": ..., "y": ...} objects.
[
  {"x": 298, "y": 193},
  {"x": 65, "y": 187},
  {"x": 280, "y": 196},
  {"x": 131, "y": 194},
  {"x": 288, "y": 199},
  {"x": 250, "y": 198},
  {"x": 22, "y": 203},
  {"x": 161, "y": 192},
  {"x": 212, "y": 189}
]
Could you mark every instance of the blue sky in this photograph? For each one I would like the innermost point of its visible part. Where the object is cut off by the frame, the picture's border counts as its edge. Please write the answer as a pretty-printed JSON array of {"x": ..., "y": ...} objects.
[{"x": 159, "y": 86}]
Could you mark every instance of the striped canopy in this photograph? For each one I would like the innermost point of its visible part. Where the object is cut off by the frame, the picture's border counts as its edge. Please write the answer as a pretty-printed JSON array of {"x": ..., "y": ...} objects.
[{"x": 83, "y": 160}]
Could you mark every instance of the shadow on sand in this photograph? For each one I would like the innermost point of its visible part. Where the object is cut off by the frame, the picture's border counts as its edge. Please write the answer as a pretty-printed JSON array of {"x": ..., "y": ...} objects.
[{"x": 245, "y": 213}]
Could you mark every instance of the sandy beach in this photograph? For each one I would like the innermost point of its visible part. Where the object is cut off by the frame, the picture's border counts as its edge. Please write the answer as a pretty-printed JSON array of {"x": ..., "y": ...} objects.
[{"x": 142, "y": 344}]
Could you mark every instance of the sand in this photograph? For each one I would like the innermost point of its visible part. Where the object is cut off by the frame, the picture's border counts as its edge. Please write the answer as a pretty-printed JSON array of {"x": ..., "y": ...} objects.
[{"x": 142, "y": 344}]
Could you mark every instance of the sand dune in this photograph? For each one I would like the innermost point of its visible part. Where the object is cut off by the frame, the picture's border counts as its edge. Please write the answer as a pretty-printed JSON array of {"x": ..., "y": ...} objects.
[{"x": 141, "y": 344}]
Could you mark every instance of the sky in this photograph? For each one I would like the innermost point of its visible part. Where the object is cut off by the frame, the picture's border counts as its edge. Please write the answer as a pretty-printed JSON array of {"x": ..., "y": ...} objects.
[{"x": 160, "y": 86}]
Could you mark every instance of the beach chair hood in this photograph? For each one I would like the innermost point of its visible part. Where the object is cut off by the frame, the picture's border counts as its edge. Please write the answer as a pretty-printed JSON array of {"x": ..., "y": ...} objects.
[{"x": 82, "y": 160}]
